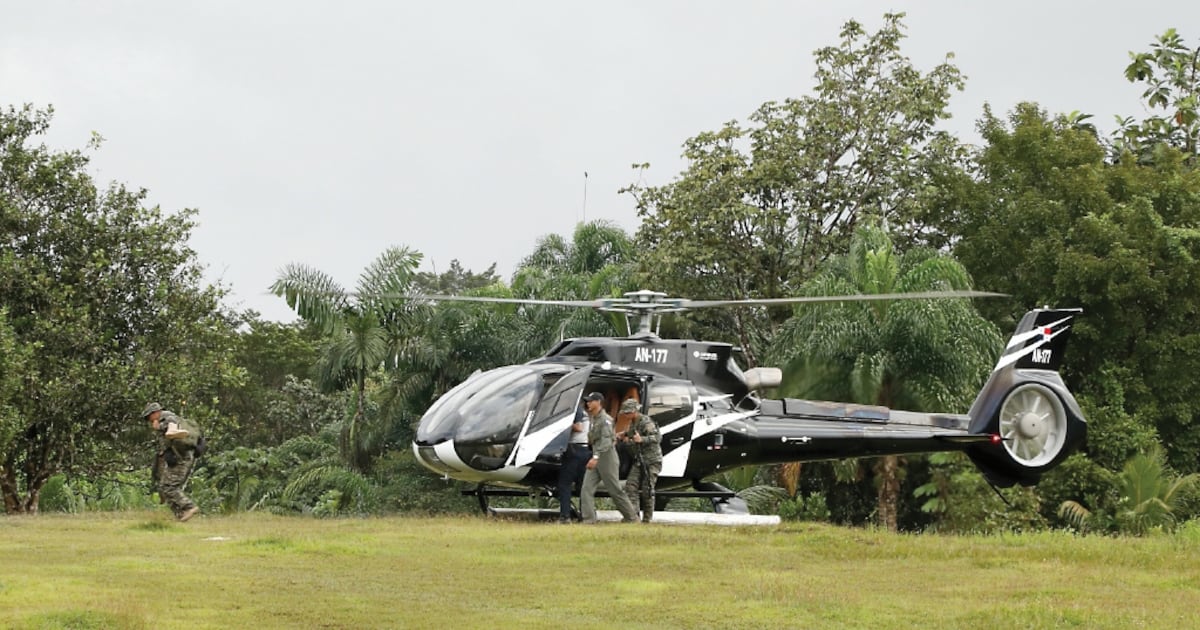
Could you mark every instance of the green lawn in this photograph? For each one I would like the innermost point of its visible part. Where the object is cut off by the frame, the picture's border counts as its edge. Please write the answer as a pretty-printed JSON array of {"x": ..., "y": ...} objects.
[{"x": 140, "y": 570}]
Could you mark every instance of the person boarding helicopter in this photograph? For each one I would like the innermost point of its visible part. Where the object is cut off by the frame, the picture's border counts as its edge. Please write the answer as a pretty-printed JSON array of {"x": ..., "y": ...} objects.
[
  {"x": 604, "y": 465},
  {"x": 644, "y": 440}
]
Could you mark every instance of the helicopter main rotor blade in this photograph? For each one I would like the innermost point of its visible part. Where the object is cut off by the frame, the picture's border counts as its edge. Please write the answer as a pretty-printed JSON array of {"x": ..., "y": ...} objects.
[
  {"x": 423, "y": 297},
  {"x": 918, "y": 295},
  {"x": 646, "y": 302},
  {"x": 467, "y": 298}
]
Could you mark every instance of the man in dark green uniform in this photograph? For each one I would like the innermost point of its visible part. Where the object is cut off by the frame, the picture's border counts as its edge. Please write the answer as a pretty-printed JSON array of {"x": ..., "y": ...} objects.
[
  {"x": 174, "y": 460},
  {"x": 603, "y": 466},
  {"x": 645, "y": 442}
]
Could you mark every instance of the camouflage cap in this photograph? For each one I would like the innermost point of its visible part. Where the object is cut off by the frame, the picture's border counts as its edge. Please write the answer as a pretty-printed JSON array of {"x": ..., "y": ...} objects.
[
  {"x": 630, "y": 405},
  {"x": 151, "y": 408},
  {"x": 597, "y": 396}
]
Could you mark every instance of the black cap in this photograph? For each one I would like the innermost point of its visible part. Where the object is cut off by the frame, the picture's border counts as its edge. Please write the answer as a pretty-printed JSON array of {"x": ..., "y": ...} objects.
[{"x": 597, "y": 396}]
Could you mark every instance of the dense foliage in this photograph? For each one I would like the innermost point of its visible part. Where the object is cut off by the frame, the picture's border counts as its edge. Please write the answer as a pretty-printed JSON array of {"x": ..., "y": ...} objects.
[{"x": 106, "y": 310}]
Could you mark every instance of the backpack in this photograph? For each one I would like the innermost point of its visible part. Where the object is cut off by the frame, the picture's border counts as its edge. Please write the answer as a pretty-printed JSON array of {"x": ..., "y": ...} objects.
[{"x": 195, "y": 441}]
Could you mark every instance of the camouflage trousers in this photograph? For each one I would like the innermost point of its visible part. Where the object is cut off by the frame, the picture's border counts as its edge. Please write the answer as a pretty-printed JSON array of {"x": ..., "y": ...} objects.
[
  {"x": 171, "y": 480},
  {"x": 640, "y": 486}
]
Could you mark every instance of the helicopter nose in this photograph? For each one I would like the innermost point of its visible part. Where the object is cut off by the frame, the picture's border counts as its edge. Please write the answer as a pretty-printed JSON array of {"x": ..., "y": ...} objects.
[
  {"x": 452, "y": 456},
  {"x": 443, "y": 458},
  {"x": 431, "y": 459}
]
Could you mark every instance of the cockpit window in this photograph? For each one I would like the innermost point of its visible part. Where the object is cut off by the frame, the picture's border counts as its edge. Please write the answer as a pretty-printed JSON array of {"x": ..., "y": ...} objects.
[
  {"x": 564, "y": 402},
  {"x": 489, "y": 408}
]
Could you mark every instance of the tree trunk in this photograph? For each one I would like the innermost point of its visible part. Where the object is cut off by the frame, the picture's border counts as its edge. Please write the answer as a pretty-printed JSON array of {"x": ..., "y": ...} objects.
[
  {"x": 889, "y": 491},
  {"x": 13, "y": 502},
  {"x": 353, "y": 453},
  {"x": 32, "y": 501},
  {"x": 789, "y": 477},
  {"x": 8, "y": 486}
]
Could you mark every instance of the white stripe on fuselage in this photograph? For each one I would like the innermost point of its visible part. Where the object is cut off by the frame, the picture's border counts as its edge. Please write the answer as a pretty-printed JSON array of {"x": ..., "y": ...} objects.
[
  {"x": 1029, "y": 334},
  {"x": 532, "y": 444},
  {"x": 1009, "y": 359},
  {"x": 675, "y": 462}
]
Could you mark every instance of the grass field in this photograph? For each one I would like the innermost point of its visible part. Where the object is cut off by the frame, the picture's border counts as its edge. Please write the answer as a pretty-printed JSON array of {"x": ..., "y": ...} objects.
[{"x": 140, "y": 570}]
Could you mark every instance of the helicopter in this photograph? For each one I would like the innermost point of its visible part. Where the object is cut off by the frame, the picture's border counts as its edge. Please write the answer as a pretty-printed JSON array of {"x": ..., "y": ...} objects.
[{"x": 506, "y": 429}]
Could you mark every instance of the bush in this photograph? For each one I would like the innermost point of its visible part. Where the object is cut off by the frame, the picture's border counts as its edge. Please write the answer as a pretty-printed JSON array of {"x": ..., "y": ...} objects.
[
  {"x": 801, "y": 508},
  {"x": 126, "y": 491},
  {"x": 57, "y": 496},
  {"x": 405, "y": 486}
]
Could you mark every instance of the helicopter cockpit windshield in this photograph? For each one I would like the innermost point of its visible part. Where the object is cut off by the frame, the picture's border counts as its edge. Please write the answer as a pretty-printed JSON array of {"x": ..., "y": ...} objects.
[{"x": 490, "y": 408}]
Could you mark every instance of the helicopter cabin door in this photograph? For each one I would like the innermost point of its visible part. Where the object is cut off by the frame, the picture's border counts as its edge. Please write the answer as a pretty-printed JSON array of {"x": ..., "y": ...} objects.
[{"x": 551, "y": 418}]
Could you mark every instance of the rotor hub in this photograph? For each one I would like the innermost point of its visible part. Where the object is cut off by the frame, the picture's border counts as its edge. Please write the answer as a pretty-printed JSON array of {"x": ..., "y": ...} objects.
[{"x": 1030, "y": 425}]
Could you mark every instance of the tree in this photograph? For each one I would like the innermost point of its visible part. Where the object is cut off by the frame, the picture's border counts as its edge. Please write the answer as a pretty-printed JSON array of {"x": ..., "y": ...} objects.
[
  {"x": 921, "y": 355},
  {"x": 597, "y": 262},
  {"x": 14, "y": 360},
  {"x": 454, "y": 280},
  {"x": 106, "y": 309},
  {"x": 269, "y": 357},
  {"x": 758, "y": 208},
  {"x": 1171, "y": 72},
  {"x": 1049, "y": 221},
  {"x": 364, "y": 328}
]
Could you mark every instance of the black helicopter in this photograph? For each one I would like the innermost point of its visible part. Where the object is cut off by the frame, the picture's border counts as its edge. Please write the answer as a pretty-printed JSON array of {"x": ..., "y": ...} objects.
[{"x": 506, "y": 429}]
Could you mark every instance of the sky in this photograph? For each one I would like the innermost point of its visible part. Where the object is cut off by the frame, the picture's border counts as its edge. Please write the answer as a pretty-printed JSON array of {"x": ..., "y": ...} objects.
[{"x": 322, "y": 133}]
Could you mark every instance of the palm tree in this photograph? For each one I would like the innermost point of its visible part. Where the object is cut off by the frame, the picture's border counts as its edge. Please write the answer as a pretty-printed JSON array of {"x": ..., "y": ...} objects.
[
  {"x": 596, "y": 262},
  {"x": 1148, "y": 497},
  {"x": 364, "y": 327},
  {"x": 593, "y": 247},
  {"x": 919, "y": 355}
]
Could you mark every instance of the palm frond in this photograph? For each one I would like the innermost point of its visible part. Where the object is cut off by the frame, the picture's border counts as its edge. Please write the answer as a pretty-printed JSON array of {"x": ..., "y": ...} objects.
[
  {"x": 388, "y": 278},
  {"x": 312, "y": 294},
  {"x": 762, "y": 499},
  {"x": 1075, "y": 514},
  {"x": 598, "y": 244},
  {"x": 551, "y": 252}
]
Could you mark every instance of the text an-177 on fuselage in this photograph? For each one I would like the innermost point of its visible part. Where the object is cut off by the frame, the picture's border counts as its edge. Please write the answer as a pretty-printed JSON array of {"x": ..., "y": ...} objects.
[{"x": 507, "y": 428}]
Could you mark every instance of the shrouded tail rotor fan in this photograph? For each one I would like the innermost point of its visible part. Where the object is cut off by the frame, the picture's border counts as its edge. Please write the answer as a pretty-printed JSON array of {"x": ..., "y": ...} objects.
[{"x": 1033, "y": 425}]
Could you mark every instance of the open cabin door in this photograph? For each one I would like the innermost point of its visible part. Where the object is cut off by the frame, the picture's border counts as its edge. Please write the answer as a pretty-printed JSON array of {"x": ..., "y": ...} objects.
[{"x": 553, "y": 416}]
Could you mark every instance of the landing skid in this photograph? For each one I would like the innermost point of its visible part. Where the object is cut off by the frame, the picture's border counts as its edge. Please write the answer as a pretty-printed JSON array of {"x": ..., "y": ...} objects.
[
  {"x": 669, "y": 518},
  {"x": 725, "y": 502}
]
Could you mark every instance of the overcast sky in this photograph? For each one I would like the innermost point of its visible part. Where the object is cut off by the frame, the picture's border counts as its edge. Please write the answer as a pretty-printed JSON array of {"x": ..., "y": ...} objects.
[{"x": 322, "y": 133}]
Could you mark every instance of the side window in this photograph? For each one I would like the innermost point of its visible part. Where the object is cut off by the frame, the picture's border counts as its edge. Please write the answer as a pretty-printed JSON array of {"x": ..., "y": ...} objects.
[
  {"x": 669, "y": 402},
  {"x": 561, "y": 399},
  {"x": 717, "y": 406},
  {"x": 563, "y": 403}
]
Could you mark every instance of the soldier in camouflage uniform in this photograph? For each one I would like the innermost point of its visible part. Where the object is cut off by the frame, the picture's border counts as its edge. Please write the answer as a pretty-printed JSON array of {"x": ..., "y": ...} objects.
[
  {"x": 604, "y": 465},
  {"x": 173, "y": 463},
  {"x": 645, "y": 442}
]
